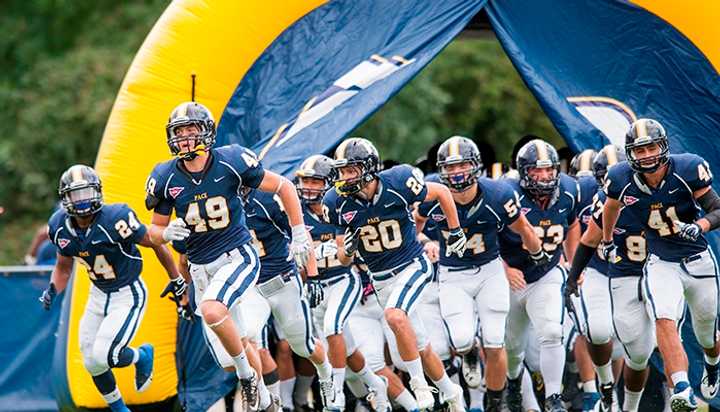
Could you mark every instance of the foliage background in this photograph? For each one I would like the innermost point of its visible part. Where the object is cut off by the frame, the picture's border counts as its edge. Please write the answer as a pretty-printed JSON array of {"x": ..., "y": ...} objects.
[{"x": 63, "y": 61}]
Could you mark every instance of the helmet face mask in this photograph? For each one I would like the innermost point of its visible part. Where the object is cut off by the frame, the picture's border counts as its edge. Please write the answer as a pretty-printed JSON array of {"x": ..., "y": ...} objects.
[
  {"x": 646, "y": 146},
  {"x": 356, "y": 164},
  {"x": 459, "y": 163},
  {"x": 80, "y": 191},
  {"x": 539, "y": 168},
  {"x": 314, "y": 178},
  {"x": 190, "y": 130}
]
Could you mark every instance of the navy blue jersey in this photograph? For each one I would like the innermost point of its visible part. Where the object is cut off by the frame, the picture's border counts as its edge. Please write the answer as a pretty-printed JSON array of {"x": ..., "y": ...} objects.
[
  {"x": 658, "y": 209},
  {"x": 550, "y": 224},
  {"x": 270, "y": 229},
  {"x": 107, "y": 248},
  {"x": 629, "y": 237},
  {"x": 495, "y": 206},
  {"x": 587, "y": 189},
  {"x": 209, "y": 201},
  {"x": 387, "y": 238},
  {"x": 321, "y": 232}
]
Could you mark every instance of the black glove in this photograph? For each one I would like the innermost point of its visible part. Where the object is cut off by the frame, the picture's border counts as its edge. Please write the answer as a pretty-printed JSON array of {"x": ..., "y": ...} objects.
[
  {"x": 456, "y": 242},
  {"x": 690, "y": 231},
  {"x": 540, "y": 257},
  {"x": 315, "y": 292},
  {"x": 351, "y": 241},
  {"x": 47, "y": 296},
  {"x": 178, "y": 287},
  {"x": 608, "y": 251},
  {"x": 571, "y": 288}
]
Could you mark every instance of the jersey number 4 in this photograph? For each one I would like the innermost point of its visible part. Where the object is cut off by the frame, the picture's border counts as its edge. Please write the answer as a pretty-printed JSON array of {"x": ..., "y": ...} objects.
[
  {"x": 216, "y": 210},
  {"x": 664, "y": 223},
  {"x": 101, "y": 269}
]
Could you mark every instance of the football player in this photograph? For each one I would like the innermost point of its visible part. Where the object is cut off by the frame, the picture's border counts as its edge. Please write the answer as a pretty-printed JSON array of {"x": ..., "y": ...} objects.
[
  {"x": 628, "y": 317},
  {"x": 474, "y": 286},
  {"x": 335, "y": 290},
  {"x": 581, "y": 164},
  {"x": 666, "y": 193},
  {"x": 104, "y": 239},
  {"x": 202, "y": 185},
  {"x": 375, "y": 209},
  {"x": 548, "y": 199}
]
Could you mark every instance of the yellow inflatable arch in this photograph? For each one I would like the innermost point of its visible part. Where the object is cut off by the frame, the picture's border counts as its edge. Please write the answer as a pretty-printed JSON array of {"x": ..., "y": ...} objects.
[{"x": 217, "y": 41}]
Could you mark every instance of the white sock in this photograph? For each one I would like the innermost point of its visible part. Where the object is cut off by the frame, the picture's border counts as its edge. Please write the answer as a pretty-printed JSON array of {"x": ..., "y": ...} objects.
[
  {"x": 324, "y": 370},
  {"x": 338, "y": 378},
  {"x": 368, "y": 377},
  {"x": 552, "y": 363},
  {"x": 632, "y": 400},
  {"x": 711, "y": 360},
  {"x": 406, "y": 400},
  {"x": 530, "y": 403},
  {"x": 242, "y": 366},
  {"x": 356, "y": 386},
  {"x": 678, "y": 377},
  {"x": 286, "y": 392},
  {"x": 589, "y": 386},
  {"x": 445, "y": 385},
  {"x": 302, "y": 387},
  {"x": 477, "y": 398},
  {"x": 274, "y": 389},
  {"x": 605, "y": 373},
  {"x": 415, "y": 369},
  {"x": 112, "y": 396}
]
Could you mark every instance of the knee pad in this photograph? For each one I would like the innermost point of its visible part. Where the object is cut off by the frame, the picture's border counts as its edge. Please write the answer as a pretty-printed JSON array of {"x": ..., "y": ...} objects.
[
  {"x": 636, "y": 364},
  {"x": 551, "y": 334},
  {"x": 96, "y": 359},
  {"x": 300, "y": 340}
]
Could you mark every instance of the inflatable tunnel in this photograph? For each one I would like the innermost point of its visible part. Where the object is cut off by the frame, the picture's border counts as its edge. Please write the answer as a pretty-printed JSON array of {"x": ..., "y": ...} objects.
[{"x": 291, "y": 78}]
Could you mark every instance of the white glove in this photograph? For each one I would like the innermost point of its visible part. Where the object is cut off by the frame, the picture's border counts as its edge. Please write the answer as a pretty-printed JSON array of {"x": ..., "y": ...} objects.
[
  {"x": 176, "y": 230},
  {"x": 326, "y": 249},
  {"x": 300, "y": 245}
]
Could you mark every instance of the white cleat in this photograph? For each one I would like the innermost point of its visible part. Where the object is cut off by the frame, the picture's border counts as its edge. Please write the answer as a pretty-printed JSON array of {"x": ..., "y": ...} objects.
[
  {"x": 455, "y": 400},
  {"x": 378, "y": 397},
  {"x": 709, "y": 383},
  {"x": 423, "y": 393},
  {"x": 330, "y": 399},
  {"x": 472, "y": 367}
]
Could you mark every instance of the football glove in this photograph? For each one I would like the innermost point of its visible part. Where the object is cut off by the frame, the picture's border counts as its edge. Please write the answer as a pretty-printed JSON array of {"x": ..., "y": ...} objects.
[
  {"x": 178, "y": 287},
  {"x": 456, "y": 242},
  {"x": 47, "y": 296},
  {"x": 176, "y": 230},
  {"x": 689, "y": 231},
  {"x": 300, "y": 245},
  {"x": 608, "y": 251},
  {"x": 351, "y": 242},
  {"x": 326, "y": 249},
  {"x": 315, "y": 292},
  {"x": 540, "y": 257}
]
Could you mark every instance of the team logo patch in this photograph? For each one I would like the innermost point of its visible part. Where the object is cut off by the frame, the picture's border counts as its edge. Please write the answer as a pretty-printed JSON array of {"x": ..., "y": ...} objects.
[
  {"x": 63, "y": 242},
  {"x": 629, "y": 200},
  {"x": 525, "y": 210},
  {"x": 619, "y": 231},
  {"x": 175, "y": 191},
  {"x": 438, "y": 217},
  {"x": 349, "y": 216}
]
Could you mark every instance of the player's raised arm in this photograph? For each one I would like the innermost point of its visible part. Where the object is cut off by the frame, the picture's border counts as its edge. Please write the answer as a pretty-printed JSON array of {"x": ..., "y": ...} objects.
[
  {"x": 300, "y": 245},
  {"x": 456, "y": 239}
]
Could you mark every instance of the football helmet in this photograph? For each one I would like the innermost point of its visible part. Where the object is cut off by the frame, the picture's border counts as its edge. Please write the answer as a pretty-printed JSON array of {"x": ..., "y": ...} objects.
[
  {"x": 80, "y": 191},
  {"x": 608, "y": 156},
  {"x": 538, "y": 154},
  {"x": 645, "y": 132},
  {"x": 186, "y": 114},
  {"x": 358, "y": 152},
  {"x": 581, "y": 164},
  {"x": 316, "y": 167},
  {"x": 456, "y": 150}
]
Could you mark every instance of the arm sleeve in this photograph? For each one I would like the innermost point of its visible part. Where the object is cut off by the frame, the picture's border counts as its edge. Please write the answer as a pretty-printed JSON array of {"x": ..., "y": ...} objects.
[
  {"x": 710, "y": 202},
  {"x": 583, "y": 254}
]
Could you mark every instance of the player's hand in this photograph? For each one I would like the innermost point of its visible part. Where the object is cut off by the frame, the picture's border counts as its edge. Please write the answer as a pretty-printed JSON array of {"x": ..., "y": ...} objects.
[
  {"x": 608, "y": 251},
  {"x": 367, "y": 291},
  {"x": 456, "y": 242},
  {"x": 326, "y": 249},
  {"x": 432, "y": 250},
  {"x": 571, "y": 288},
  {"x": 351, "y": 242},
  {"x": 689, "y": 231},
  {"x": 315, "y": 292},
  {"x": 47, "y": 296},
  {"x": 540, "y": 257},
  {"x": 300, "y": 245},
  {"x": 176, "y": 230},
  {"x": 177, "y": 286},
  {"x": 515, "y": 278}
]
